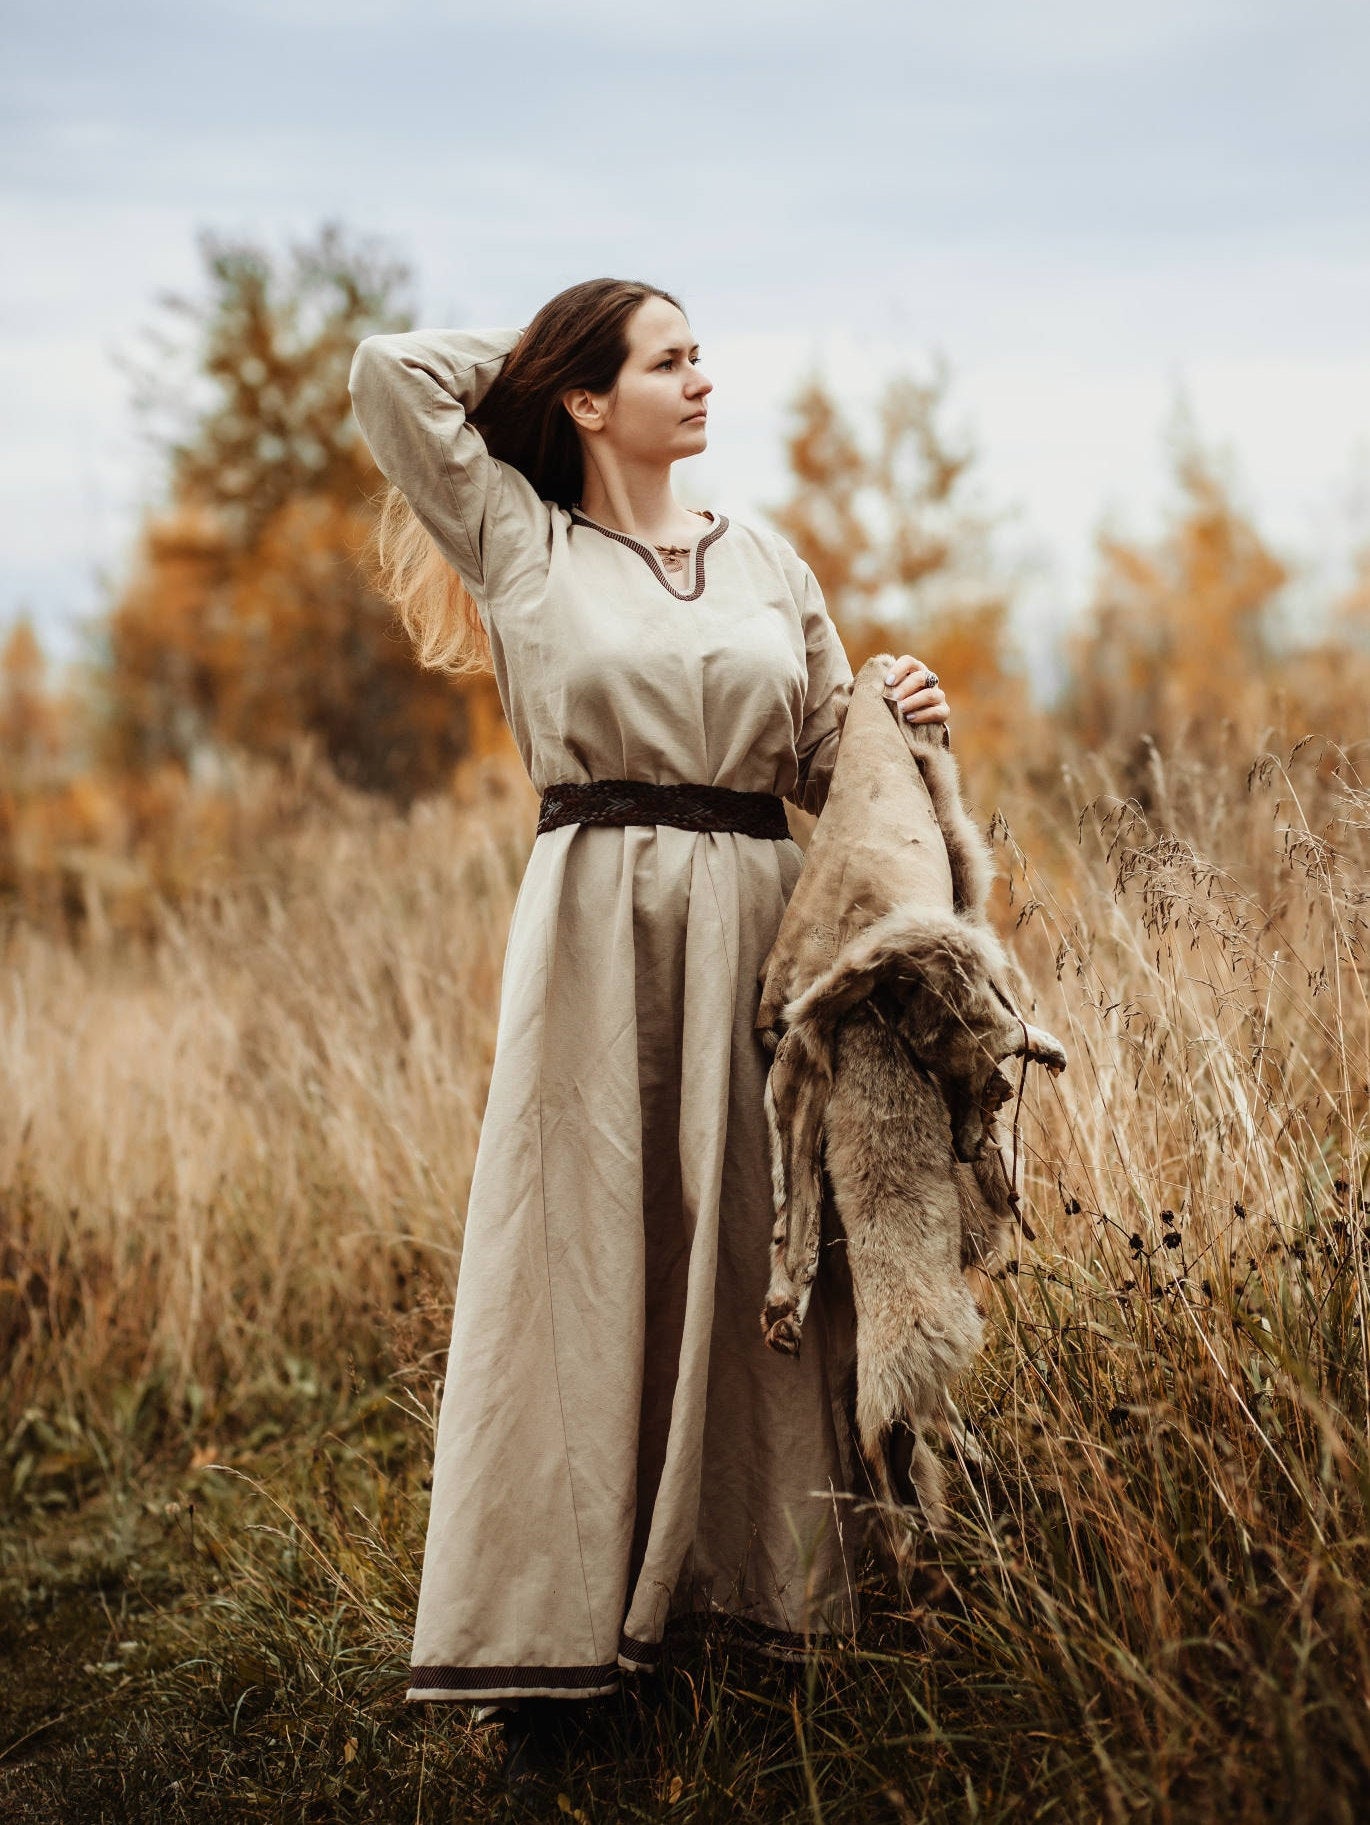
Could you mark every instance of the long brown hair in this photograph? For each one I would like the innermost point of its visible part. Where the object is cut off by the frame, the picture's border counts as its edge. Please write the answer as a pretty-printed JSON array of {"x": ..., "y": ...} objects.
[{"x": 579, "y": 338}]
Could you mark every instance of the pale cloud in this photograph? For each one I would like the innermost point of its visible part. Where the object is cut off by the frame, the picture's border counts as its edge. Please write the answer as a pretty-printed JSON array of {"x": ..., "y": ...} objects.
[{"x": 1083, "y": 206}]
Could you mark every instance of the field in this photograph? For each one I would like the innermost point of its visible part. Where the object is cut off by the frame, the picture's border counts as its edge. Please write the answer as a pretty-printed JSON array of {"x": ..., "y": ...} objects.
[{"x": 233, "y": 1158}]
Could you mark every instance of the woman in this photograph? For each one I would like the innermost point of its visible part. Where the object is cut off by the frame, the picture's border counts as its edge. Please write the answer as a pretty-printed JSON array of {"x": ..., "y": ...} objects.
[{"x": 615, "y": 1445}]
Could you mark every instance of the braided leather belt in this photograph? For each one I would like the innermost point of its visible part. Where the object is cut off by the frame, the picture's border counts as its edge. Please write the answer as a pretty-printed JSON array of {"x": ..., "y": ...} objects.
[{"x": 644, "y": 801}]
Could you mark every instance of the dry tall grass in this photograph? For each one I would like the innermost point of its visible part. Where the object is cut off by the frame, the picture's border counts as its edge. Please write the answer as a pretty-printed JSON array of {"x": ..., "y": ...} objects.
[
  {"x": 231, "y": 1145},
  {"x": 234, "y": 1165}
]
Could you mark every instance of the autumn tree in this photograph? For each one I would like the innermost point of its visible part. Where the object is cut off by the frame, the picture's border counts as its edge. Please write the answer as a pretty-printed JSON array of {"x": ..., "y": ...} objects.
[
  {"x": 35, "y": 720},
  {"x": 249, "y": 618},
  {"x": 1181, "y": 636},
  {"x": 902, "y": 554},
  {"x": 41, "y": 759}
]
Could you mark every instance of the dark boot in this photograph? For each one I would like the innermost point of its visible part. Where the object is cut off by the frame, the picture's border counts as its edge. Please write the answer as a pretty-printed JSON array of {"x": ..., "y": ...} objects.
[{"x": 534, "y": 1743}]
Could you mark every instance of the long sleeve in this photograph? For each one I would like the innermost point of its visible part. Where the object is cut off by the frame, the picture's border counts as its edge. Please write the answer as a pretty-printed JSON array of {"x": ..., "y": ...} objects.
[
  {"x": 411, "y": 394},
  {"x": 826, "y": 697}
]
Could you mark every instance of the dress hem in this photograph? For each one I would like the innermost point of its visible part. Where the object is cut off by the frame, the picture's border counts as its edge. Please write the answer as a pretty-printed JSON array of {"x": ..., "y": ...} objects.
[
  {"x": 465, "y": 1684},
  {"x": 480, "y": 1684}
]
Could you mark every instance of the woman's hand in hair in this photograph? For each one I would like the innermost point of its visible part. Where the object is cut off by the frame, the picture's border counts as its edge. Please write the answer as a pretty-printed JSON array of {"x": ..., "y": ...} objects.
[{"x": 915, "y": 689}]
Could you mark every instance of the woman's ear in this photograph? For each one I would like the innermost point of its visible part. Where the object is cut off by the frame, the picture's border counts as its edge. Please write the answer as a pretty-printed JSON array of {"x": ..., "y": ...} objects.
[{"x": 587, "y": 413}]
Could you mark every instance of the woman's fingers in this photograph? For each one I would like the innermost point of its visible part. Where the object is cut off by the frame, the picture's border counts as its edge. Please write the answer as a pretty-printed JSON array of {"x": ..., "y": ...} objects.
[
  {"x": 901, "y": 668},
  {"x": 926, "y": 706},
  {"x": 914, "y": 688}
]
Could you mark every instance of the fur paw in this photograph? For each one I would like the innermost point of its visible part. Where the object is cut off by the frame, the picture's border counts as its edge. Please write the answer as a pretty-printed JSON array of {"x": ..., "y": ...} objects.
[{"x": 780, "y": 1326}]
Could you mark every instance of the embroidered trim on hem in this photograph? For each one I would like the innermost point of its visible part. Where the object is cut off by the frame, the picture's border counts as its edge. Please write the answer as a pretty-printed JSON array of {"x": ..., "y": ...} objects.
[
  {"x": 495, "y": 1698},
  {"x": 472, "y": 1683},
  {"x": 764, "y": 1636},
  {"x": 469, "y": 1681},
  {"x": 640, "y": 1653}
]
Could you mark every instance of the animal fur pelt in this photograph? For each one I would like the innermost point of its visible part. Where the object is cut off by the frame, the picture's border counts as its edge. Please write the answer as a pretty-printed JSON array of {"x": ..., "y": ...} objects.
[{"x": 890, "y": 1007}]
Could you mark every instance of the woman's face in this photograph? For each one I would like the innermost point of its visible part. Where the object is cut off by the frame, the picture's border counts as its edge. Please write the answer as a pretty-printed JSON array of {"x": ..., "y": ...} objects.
[{"x": 655, "y": 411}]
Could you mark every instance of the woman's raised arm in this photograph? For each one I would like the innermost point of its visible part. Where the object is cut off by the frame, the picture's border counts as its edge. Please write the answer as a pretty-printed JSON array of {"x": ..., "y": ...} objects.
[{"x": 411, "y": 394}]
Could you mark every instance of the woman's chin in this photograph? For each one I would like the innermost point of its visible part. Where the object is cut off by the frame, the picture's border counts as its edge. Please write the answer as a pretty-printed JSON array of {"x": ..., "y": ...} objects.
[{"x": 689, "y": 440}]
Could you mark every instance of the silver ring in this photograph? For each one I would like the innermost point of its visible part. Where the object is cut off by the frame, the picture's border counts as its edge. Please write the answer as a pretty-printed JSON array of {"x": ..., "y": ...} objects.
[{"x": 929, "y": 681}]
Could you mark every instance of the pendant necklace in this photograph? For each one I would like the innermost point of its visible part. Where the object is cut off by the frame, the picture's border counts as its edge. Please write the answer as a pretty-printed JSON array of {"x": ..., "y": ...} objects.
[{"x": 675, "y": 555}]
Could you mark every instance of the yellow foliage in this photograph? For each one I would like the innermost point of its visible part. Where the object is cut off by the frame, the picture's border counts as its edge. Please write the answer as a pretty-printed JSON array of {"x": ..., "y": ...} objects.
[
  {"x": 1178, "y": 641},
  {"x": 903, "y": 563}
]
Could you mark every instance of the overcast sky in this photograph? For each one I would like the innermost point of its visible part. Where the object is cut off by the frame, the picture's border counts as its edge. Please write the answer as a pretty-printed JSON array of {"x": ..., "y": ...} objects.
[{"x": 1090, "y": 208}]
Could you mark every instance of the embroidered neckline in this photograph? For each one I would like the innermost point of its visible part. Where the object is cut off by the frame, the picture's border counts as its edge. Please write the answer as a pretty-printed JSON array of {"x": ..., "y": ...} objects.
[{"x": 645, "y": 551}]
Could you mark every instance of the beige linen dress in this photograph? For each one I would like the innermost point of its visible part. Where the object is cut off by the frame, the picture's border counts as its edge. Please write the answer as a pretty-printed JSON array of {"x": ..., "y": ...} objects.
[{"x": 616, "y": 1446}]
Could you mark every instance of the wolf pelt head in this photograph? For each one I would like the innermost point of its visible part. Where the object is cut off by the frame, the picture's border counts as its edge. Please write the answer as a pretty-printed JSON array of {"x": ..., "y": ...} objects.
[{"x": 938, "y": 976}]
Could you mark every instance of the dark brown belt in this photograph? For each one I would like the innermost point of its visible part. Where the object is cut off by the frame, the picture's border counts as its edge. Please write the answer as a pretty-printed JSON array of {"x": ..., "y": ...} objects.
[{"x": 645, "y": 801}]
